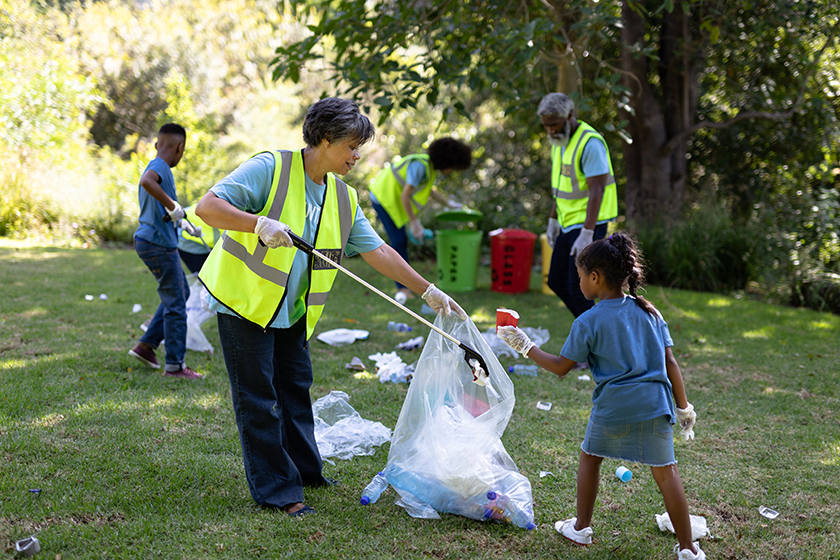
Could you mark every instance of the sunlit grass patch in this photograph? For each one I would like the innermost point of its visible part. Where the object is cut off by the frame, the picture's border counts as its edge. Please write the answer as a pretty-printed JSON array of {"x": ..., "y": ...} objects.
[{"x": 719, "y": 302}]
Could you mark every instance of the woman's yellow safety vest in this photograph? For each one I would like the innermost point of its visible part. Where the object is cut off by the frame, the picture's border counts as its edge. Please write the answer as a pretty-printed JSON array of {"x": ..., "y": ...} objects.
[
  {"x": 250, "y": 279},
  {"x": 208, "y": 234},
  {"x": 568, "y": 183},
  {"x": 390, "y": 183}
]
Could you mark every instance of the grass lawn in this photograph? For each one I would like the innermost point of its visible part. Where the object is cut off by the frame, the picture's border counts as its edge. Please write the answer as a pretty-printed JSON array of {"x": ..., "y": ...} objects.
[{"x": 132, "y": 465}]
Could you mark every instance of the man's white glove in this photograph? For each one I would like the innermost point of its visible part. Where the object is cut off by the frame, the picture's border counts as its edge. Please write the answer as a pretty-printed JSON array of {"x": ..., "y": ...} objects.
[
  {"x": 195, "y": 231},
  {"x": 454, "y": 204},
  {"x": 686, "y": 417},
  {"x": 552, "y": 231},
  {"x": 441, "y": 302},
  {"x": 583, "y": 239},
  {"x": 273, "y": 233},
  {"x": 515, "y": 338},
  {"x": 416, "y": 229},
  {"x": 176, "y": 213}
]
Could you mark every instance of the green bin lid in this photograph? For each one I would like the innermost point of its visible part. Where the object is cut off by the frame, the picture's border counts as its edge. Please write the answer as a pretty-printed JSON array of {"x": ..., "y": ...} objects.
[{"x": 459, "y": 215}]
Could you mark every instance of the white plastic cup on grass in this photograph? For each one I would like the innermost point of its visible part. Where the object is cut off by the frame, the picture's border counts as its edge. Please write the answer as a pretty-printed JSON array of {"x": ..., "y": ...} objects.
[{"x": 623, "y": 473}]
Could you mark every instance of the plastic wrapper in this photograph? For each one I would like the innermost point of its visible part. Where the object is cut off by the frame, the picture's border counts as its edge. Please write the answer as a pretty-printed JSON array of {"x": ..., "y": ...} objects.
[
  {"x": 538, "y": 336},
  {"x": 446, "y": 452},
  {"x": 699, "y": 529},
  {"x": 341, "y": 432}
]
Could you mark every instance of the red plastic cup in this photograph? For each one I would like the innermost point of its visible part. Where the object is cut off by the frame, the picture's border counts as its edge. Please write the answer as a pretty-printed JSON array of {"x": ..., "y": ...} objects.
[{"x": 506, "y": 317}]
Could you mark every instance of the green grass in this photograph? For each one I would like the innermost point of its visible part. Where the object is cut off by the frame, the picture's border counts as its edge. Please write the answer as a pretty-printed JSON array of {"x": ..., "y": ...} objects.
[{"x": 132, "y": 465}]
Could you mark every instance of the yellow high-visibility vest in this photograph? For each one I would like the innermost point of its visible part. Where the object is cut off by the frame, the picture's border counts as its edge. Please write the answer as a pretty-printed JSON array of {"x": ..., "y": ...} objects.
[
  {"x": 250, "y": 279},
  {"x": 208, "y": 234},
  {"x": 389, "y": 185},
  {"x": 568, "y": 183}
]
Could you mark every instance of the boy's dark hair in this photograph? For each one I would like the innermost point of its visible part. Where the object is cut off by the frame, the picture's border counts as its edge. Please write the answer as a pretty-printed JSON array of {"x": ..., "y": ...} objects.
[
  {"x": 620, "y": 261},
  {"x": 174, "y": 129},
  {"x": 449, "y": 153}
]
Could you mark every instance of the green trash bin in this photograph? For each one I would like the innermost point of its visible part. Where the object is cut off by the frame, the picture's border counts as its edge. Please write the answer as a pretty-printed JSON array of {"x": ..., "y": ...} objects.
[{"x": 458, "y": 250}]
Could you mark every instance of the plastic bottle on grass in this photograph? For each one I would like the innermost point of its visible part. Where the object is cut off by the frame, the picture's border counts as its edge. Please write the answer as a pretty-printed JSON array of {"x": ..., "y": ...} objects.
[
  {"x": 398, "y": 327},
  {"x": 373, "y": 490},
  {"x": 524, "y": 369}
]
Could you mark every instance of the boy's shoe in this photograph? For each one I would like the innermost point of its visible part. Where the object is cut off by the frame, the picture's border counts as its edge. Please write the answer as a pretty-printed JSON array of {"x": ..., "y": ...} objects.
[
  {"x": 686, "y": 554},
  {"x": 184, "y": 373},
  {"x": 146, "y": 356},
  {"x": 567, "y": 529}
]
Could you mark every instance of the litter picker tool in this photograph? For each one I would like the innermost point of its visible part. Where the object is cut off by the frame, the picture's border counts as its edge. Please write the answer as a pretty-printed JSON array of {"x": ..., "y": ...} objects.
[{"x": 474, "y": 360}]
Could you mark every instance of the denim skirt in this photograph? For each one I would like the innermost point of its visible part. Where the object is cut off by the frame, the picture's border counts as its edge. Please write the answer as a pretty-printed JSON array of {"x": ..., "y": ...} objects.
[{"x": 650, "y": 442}]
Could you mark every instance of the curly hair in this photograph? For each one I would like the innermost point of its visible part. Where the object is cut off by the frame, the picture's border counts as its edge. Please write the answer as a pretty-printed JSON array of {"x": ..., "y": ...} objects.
[
  {"x": 336, "y": 119},
  {"x": 621, "y": 263},
  {"x": 449, "y": 153}
]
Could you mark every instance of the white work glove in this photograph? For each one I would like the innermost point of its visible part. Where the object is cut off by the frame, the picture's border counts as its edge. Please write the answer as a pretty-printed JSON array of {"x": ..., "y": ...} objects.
[
  {"x": 552, "y": 231},
  {"x": 273, "y": 233},
  {"x": 416, "y": 230},
  {"x": 441, "y": 302},
  {"x": 686, "y": 417},
  {"x": 454, "y": 204},
  {"x": 189, "y": 228},
  {"x": 515, "y": 338},
  {"x": 584, "y": 239},
  {"x": 176, "y": 213}
]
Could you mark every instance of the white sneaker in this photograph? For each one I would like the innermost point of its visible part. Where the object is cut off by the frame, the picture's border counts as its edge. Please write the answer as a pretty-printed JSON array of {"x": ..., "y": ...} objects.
[
  {"x": 567, "y": 529},
  {"x": 686, "y": 554}
]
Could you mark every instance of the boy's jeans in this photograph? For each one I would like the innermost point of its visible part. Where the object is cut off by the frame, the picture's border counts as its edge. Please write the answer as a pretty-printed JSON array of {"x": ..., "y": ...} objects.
[{"x": 170, "y": 319}]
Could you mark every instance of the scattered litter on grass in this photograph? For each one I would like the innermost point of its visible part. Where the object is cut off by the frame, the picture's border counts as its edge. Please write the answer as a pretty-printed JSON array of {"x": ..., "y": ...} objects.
[
  {"x": 415, "y": 509},
  {"x": 583, "y": 377},
  {"x": 137, "y": 308},
  {"x": 542, "y": 405},
  {"x": 103, "y": 297},
  {"x": 342, "y": 337},
  {"x": 390, "y": 367},
  {"x": 768, "y": 513},
  {"x": 699, "y": 529},
  {"x": 356, "y": 364},
  {"x": 89, "y": 297},
  {"x": 35, "y": 490},
  {"x": 411, "y": 344},
  {"x": 544, "y": 474},
  {"x": 28, "y": 547},
  {"x": 538, "y": 336},
  {"x": 341, "y": 432}
]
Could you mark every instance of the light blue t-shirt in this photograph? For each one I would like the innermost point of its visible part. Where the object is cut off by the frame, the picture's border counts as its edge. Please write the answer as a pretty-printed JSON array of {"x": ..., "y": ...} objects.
[
  {"x": 415, "y": 174},
  {"x": 593, "y": 162},
  {"x": 152, "y": 227},
  {"x": 625, "y": 349},
  {"x": 247, "y": 188}
]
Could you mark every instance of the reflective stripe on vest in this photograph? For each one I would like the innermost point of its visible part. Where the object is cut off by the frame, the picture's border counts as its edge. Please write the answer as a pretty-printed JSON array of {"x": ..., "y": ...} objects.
[
  {"x": 389, "y": 184},
  {"x": 250, "y": 279},
  {"x": 208, "y": 234},
  {"x": 568, "y": 182}
]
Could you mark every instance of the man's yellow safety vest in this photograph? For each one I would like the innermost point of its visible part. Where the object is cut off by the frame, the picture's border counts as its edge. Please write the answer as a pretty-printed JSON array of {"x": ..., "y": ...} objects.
[
  {"x": 568, "y": 183},
  {"x": 208, "y": 234},
  {"x": 250, "y": 279},
  {"x": 390, "y": 183}
]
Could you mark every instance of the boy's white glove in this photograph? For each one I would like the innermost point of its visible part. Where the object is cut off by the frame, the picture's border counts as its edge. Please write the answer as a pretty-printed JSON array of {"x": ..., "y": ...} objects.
[
  {"x": 515, "y": 338},
  {"x": 686, "y": 417},
  {"x": 176, "y": 214},
  {"x": 195, "y": 231},
  {"x": 273, "y": 232},
  {"x": 441, "y": 302},
  {"x": 552, "y": 231},
  {"x": 583, "y": 239}
]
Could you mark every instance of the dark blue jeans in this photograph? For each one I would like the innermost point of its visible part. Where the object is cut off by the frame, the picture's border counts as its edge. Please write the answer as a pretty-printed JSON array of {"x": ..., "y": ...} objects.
[
  {"x": 170, "y": 319},
  {"x": 563, "y": 277},
  {"x": 397, "y": 236},
  {"x": 270, "y": 376}
]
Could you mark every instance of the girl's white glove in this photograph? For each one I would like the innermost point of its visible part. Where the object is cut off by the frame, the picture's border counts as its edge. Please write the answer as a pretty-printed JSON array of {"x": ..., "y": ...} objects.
[
  {"x": 515, "y": 338},
  {"x": 441, "y": 302},
  {"x": 273, "y": 232},
  {"x": 686, "y": 417}
]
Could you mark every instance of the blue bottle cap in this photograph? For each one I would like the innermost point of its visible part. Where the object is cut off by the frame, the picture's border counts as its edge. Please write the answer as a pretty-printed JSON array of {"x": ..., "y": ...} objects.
[
  {"x": 364, "y": 501},
  {"x": 491, "y": 495}
]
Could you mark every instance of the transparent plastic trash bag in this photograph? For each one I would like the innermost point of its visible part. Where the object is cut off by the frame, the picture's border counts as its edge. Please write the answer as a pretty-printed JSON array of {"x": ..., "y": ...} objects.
[
  {"x": 446, "y": 451},
  {"x": 341, "y": 432},
  {"x": 197, "y": 315}
]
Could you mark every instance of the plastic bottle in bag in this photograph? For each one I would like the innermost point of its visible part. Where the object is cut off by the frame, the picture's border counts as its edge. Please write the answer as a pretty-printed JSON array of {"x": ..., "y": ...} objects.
[
  {"x": 373, "y": 490},
  {"x": 434, "y": 494},
  {"x": 501, "y": 508},
  {"x": 398, "y": 327},
  {"x": 524, "y": 369}
]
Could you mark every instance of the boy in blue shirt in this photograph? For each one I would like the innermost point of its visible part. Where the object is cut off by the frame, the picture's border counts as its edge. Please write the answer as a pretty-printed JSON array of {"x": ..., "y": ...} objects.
[{"x": 156, "y": 242}]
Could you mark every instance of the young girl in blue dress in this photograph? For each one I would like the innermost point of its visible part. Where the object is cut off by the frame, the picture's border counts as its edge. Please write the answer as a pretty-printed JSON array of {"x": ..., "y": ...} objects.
[{"x": 628, "y": 347}]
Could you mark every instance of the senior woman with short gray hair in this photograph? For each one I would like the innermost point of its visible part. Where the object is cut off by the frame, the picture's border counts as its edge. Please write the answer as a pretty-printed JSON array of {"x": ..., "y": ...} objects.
[{"x": 269, "y": 295}]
